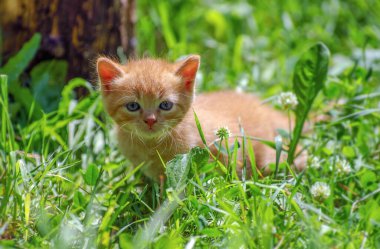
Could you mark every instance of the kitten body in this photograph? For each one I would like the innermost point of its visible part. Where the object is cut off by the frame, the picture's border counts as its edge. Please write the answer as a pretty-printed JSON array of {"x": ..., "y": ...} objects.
[{"x": 147, "y": 132}]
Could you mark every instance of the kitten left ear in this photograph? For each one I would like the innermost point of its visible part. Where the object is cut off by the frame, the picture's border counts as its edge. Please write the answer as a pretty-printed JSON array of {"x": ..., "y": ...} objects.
[
  {"x": 188, "y": 69},
  {"x": 108, "y": 71}
]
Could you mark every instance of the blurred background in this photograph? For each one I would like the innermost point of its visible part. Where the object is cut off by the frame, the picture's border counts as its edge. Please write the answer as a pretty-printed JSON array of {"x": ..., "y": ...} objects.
[{"x": 250, "y": 45}]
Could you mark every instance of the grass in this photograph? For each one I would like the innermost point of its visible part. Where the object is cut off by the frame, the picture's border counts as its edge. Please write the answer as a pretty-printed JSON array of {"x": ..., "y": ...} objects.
[{"x": 63, "y": 183}]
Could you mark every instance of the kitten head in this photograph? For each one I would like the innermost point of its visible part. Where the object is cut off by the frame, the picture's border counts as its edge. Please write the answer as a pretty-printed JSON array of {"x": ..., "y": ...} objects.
[{"x": 148, "y": 97}]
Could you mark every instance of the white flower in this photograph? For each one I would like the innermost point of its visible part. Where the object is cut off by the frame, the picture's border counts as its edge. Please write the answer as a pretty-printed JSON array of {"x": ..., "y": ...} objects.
[
  {"x": 223, "y": 133},
  {"x": 315, "y": 162},
  {"x": 288, "y": 100},
  {"x": 342, "y": 166},
  {"x": 320, "y": 191}
]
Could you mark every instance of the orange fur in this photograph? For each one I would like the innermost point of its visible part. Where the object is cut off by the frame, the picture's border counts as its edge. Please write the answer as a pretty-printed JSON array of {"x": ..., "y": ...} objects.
[{"x": 148, "y": 82}]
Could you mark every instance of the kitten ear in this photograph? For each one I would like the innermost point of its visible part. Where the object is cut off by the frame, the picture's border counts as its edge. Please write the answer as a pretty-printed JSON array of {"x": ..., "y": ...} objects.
[
  {"x": 108, "y": 71},
  {"x": 188, "y": 69}
]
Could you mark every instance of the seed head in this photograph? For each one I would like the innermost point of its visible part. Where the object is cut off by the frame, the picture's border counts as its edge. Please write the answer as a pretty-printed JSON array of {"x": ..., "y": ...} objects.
[
  {"x": 342, "y": 166},
  {"x": 288, "y": 100},
  {"x": 223, "y": 133},
  {"x": 315, "y": 162},
  {"x": 320, "y": 191}
]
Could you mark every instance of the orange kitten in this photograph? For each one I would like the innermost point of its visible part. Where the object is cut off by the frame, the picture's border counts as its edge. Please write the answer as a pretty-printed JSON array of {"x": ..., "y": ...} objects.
[{"x": 152, "y": 100}]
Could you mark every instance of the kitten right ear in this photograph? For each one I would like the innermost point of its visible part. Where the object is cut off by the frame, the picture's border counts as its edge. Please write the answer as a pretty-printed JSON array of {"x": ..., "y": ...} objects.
[
  {"x": 108, "y": 71},
  {"x": 188, "y": 69}
]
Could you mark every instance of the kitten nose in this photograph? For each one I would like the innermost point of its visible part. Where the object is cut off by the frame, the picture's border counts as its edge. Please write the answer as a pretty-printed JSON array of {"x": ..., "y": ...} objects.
[{"x": 150, "y": 120}]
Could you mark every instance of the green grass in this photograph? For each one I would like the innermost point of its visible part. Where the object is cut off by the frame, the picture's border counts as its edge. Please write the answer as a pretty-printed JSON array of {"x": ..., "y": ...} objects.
[{"x": 63, "y": 183}]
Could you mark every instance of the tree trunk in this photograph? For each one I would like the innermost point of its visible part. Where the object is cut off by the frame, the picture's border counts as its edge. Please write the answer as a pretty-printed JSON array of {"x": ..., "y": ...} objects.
[{"x": 76, "y": 31}]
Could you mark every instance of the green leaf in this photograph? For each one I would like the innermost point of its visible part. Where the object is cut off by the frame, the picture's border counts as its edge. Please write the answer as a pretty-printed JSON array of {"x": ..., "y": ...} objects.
[
  {"x": 349, "y": 151},
  {"x": 19, "y": 62},
  {"x": 167, "y": 30},
  {"x": 309, "y": 78},
  {"x": 79, "y": 200},
  {"x": 252, "y": 159},
  {"x": 25, "y": 97},
  {"x": 7, "y": 135},
  {"x": 367, "y": 179},
  {"x": 217, "y": 21},
  {"x": 125, "y": 241},
  {"x": 177, "y": 169},
  {"x": 237, "y": 55},
  {"x": 91, "y": 175},
  {"x": 67, "y": 93},
  {"x": 327, "y": 151},
  {"x": 200, "y": 129},
  {"x": 48, "y": 79},
  {"x": 199, "y": 156},
  {"x": 212, "y": 232},
  {"x": 15, "y": 67}
]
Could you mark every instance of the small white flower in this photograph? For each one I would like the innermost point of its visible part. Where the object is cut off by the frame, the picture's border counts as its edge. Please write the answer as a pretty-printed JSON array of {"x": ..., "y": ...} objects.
[
  {"x": 320, "y": 191},
  {"x": 315, "y": 162},
  {"x": 223, "y": 133},
  {"x": 288, "y": 100},
  {"x": 342, "y": 166}
]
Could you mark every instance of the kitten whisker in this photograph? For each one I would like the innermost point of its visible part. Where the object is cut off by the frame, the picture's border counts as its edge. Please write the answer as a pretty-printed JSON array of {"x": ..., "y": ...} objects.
[
  {"x": 164, "y": 134},
  {"x": 139, "y": 137}
]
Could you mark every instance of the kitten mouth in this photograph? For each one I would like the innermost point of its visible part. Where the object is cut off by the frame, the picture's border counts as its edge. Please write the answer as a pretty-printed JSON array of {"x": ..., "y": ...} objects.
[
  {"x": 150, "y": 131},
  {"x": 150, "y": 135}
]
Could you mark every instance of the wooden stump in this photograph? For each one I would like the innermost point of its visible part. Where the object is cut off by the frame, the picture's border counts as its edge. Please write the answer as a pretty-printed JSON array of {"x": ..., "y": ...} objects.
[{"x": 76, "y": 31}]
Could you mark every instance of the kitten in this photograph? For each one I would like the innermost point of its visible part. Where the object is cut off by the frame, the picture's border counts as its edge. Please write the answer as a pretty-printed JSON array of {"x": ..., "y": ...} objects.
[{"x": 152, "y": 103}]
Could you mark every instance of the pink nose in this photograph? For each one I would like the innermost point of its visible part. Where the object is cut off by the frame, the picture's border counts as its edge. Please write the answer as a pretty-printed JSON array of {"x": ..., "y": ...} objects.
[{"x": 150, "y": 121}]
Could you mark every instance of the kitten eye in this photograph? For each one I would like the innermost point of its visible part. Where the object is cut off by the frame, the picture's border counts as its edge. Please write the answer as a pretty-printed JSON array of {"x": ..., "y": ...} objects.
[
  {"x": 166, "y": 105},
  {"x": 133, "y": 106}
]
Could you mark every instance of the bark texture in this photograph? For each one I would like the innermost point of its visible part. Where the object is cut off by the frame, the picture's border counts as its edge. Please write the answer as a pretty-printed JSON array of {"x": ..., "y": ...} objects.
[{"x": 77, "y": 31}]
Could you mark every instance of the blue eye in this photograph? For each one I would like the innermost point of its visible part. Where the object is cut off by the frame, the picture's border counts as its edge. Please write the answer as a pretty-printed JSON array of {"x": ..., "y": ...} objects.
[
  {"x": 133, "y": 106},
  {"x": 166, "y": 105}
]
